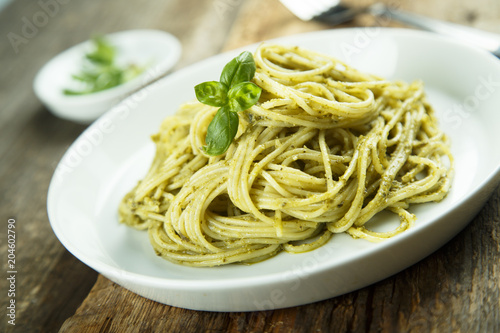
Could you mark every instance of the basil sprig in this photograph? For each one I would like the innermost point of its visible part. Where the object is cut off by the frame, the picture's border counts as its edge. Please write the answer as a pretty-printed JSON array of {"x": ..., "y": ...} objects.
[
  {"x": 233, "y": 93},
  {"x": 101, "y": 71}
]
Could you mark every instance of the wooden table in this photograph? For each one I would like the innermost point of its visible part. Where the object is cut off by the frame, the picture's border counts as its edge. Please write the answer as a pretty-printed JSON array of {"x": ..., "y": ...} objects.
[{"x": 456, "y": 289}]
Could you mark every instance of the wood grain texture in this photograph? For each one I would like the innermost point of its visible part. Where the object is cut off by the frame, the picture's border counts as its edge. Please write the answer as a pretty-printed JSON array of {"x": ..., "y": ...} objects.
[{"x": 456, "y": 289}]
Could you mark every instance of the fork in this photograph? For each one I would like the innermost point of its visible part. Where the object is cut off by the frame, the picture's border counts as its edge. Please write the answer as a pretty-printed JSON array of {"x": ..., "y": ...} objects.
[{"x": 335, "y": 12}]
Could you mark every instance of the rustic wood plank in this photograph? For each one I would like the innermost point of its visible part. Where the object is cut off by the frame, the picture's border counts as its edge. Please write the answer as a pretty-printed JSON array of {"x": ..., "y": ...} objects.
[{"x": 44, "y": 266}]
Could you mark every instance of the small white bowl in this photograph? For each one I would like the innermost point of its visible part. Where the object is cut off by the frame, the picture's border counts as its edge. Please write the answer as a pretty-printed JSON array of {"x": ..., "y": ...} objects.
[{"x": 159, "y": 51}]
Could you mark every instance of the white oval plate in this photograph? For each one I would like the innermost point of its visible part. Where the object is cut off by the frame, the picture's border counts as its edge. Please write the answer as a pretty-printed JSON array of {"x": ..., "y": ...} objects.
[{"x": 114, "y": 153}]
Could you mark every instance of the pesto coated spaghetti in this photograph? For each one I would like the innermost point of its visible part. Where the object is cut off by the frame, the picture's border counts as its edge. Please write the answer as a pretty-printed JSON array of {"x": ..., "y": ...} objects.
[{"x": 325, "y": 149}]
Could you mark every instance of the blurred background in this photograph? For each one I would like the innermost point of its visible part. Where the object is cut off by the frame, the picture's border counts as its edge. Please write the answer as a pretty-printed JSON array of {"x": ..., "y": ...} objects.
[{"x": 455, "y": 289}]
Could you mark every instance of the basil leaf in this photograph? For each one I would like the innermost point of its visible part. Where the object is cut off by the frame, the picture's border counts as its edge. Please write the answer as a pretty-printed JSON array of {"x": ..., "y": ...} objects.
[
  {"x": 104, "y": 53},
  {"x": 212, "y": 93},
  {"x": 240, "y": 69},
  {"x": 243, "y": 95},
  {"x": 233, "y": 93},
  {"x": 221, "y": 131}
]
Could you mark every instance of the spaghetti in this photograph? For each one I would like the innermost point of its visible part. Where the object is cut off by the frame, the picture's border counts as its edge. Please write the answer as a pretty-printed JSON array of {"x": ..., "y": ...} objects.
[{"x": 325, "y": 149}]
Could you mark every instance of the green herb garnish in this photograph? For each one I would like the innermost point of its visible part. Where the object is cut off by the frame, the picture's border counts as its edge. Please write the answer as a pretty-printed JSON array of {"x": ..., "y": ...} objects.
[
  {"x": 100, "y": 71},
  {"x": 233, "y": 93}
]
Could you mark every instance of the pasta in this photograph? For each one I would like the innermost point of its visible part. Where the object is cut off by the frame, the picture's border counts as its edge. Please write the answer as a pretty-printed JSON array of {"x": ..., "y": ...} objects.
[{"x": 325, "y": 149}]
